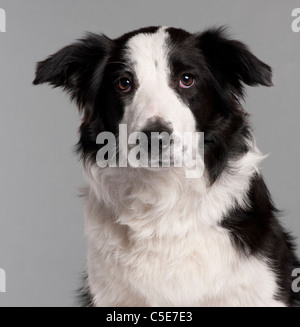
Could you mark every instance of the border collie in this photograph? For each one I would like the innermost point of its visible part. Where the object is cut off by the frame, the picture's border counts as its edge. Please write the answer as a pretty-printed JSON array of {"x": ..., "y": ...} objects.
[{"x": 156, "y": 237}]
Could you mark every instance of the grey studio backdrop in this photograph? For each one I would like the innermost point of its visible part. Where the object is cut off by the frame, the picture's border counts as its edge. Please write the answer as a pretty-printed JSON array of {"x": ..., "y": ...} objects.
[{"x": 42, "y": 247}]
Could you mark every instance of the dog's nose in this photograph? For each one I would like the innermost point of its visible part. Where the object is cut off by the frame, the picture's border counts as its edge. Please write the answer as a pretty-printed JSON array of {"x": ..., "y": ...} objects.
[{"x": 158, "y": 134}]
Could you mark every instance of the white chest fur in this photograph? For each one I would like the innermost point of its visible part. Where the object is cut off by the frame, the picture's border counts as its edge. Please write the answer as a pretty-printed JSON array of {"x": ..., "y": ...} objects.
[{"x": 155, "y": 241}]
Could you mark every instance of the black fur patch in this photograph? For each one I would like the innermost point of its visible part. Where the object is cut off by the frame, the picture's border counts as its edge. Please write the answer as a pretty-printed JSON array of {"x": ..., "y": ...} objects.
[
  {"x": 84, "y": 296},
  {"x": 87, "y": 70},
  {"x": 213, "y": 98},
  {"x": 256, "y": 231}
]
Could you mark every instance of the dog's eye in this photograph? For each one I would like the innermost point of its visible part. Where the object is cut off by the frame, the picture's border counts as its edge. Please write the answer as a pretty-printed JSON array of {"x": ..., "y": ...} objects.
[
  {"x": 124, "y": 84},
  {"x": 186, "y": 81}
]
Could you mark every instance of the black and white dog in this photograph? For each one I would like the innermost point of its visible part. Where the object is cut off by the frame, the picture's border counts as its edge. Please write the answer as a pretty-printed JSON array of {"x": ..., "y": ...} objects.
[{"x": 156, "y": 237}]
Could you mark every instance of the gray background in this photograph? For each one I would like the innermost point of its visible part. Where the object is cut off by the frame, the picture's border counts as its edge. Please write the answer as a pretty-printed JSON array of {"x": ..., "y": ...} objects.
[{"x": 42, "y": 247}]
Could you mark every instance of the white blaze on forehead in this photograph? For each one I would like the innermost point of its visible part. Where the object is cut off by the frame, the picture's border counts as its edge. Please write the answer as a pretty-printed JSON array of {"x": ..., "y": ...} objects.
[{"x": 148, "y": 56}]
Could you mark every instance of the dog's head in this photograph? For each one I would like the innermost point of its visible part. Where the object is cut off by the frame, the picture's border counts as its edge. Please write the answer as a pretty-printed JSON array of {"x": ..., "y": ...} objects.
[{"x": 159, "y": 79}]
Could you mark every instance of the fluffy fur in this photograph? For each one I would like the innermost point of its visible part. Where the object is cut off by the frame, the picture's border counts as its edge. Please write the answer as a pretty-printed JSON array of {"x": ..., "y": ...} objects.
[{"x": 155, "y": 237}]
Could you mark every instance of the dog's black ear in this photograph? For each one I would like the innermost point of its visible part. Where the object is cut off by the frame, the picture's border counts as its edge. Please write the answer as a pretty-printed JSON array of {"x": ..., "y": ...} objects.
[
  {"x": 232, "y": 62},
  {"x": 77, "y": 68}
]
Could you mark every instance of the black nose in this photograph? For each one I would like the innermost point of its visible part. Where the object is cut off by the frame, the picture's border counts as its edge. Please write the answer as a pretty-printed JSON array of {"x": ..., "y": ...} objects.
[{"x": 158, "y": 134}]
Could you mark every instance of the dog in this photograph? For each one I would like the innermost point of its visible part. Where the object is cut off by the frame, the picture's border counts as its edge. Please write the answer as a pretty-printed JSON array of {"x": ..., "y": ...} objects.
[{"x": 156, "y": 237}]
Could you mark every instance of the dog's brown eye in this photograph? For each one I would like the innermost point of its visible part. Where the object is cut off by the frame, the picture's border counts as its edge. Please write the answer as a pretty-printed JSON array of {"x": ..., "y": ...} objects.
[
  {"x": 186, "y": 81},
  {"x": 124, "y": 84}
]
